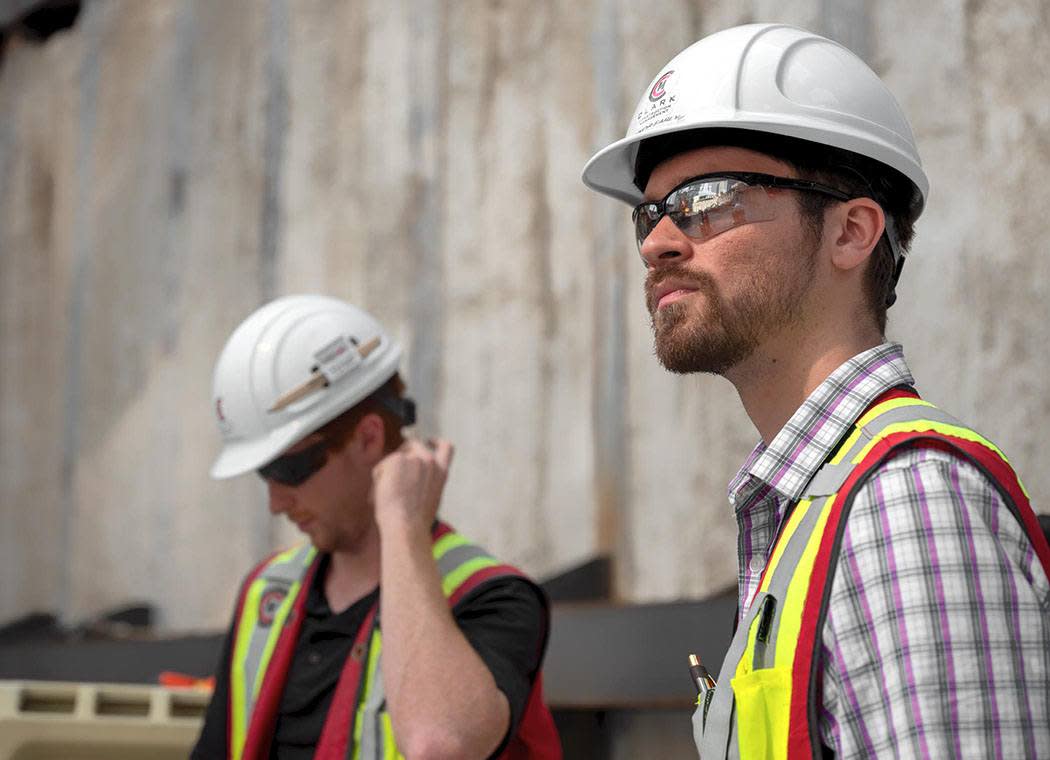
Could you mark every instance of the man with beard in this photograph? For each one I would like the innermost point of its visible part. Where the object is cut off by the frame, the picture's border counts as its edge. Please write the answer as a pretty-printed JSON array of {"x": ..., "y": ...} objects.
[
  {"x": 388, "y": 634},
  {"x": 893, "y": 578}
]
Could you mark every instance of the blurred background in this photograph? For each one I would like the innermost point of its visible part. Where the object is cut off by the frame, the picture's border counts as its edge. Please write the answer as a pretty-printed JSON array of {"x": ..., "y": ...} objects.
[{"x": 166, "y": 166}]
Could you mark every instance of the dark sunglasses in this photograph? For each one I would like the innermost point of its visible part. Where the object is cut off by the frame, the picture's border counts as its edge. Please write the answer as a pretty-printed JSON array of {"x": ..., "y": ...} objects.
[
  {"x": 705, "y": 206},
  {"x": 296, "y": 468}
]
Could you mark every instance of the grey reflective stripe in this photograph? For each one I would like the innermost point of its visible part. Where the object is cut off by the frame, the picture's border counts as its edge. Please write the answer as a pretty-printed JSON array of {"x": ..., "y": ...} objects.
[
  {"x": 785, "y": 571},
  {"x": 720, "y": 729},
  {"x": 698, "y": 727},
  {"x": 283, "y": 573},
  {"x": 830, "y": 477},
  {"x": 458, "y": 556},
  {"x": 371, "y": 745},
  {"x": 372, "y": 736},
  {"x": 291, "y": 570},
  {"x": 720, "y": 737}
]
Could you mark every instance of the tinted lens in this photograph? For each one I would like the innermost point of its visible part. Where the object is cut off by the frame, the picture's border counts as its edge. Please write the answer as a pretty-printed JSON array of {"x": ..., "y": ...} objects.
[
  {"x": 646, "y": 217},
  {"x": 294, "y": 469},
  {"x": 706, "y": 208}
]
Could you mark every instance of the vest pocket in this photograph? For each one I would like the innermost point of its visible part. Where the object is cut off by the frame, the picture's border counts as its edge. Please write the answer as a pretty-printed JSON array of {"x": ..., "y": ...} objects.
[{"x": 763, "y": 703}]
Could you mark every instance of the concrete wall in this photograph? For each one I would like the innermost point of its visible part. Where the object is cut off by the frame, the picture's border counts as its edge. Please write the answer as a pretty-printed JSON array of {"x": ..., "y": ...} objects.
[{"x": 168, "y": 165}]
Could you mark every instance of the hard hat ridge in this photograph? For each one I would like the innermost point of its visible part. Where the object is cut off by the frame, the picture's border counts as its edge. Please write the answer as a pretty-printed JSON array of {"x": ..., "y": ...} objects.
[
  {"x": 766, "y": 78},
  {"x": 292, "y": 366}
]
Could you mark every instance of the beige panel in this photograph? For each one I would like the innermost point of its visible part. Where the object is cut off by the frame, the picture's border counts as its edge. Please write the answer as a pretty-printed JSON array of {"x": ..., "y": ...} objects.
[{"x": 89, "y": 721}]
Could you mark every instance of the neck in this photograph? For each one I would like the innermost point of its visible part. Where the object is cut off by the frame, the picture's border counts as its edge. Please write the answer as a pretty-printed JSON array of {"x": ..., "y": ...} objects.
[
  {"x": 353, "y": 571},
  {"x": 778, "y": 377}
]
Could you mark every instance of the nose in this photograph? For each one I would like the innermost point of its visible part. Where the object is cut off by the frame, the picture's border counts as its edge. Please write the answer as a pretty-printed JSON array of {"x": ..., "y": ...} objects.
[
  {"x": 280, "y": 497},
  {"x": 666, "y": 244}
]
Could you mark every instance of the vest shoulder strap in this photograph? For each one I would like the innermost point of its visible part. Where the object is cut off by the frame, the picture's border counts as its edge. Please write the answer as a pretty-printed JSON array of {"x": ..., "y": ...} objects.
[
  {"x": 266, "y": 601},
  {"x": 463, "y": 565},
  {"x": 900, "y": 414},
  {"x": 783, "y": 630},
  {"x": 886, "y": 428}
]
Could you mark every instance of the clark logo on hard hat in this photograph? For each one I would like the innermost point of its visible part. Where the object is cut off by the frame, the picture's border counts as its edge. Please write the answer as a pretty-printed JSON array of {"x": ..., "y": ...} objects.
[
  {"x": 657, "y": 92},
  {"x": 292, "y": 366},
  {"x": 769, "y": 78},
  {"x": 659, "y": 108}
]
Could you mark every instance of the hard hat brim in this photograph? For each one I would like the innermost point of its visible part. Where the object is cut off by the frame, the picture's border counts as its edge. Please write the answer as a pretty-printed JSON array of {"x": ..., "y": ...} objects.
[
  {"x": 611, "y": 171},
  {"x": 240, "y": 457}
]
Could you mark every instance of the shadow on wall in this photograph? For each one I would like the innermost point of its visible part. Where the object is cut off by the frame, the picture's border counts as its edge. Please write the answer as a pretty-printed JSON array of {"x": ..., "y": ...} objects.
[{"x": 35, "y": 20}]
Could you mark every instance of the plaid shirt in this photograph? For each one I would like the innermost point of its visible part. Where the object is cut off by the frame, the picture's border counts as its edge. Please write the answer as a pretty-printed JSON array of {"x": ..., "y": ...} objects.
[{"x": 937, "y": 640}]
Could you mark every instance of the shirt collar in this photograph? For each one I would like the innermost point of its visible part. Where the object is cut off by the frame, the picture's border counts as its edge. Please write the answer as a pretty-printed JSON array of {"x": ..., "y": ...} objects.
[{"x": 809, "y": 437}]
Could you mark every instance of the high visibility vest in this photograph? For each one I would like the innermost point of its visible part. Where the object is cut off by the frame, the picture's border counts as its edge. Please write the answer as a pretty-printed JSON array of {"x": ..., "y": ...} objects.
[
  {"x": 269, "y": 615},
  {"x": 767, "y": 701}
]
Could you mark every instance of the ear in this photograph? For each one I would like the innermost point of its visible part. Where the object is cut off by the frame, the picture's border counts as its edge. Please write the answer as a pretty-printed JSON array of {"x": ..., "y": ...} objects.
[
  {"x": 857, "y": 226},
  {"x": 368, "y": 441}
]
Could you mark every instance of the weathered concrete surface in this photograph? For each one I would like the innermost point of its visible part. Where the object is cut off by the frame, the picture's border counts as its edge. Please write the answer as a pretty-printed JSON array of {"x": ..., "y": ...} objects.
[
  {"x": 168, "y": 165},
  {"x": 37, "y": 198}
]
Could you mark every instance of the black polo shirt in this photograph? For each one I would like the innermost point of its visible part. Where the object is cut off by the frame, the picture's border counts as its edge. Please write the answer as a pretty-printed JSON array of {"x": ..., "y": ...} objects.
[{"x": 504, "y": 620}]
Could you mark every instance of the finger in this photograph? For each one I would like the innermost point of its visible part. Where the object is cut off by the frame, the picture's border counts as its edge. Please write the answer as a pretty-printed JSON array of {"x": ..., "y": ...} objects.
[{"x": 443, "y": 451}]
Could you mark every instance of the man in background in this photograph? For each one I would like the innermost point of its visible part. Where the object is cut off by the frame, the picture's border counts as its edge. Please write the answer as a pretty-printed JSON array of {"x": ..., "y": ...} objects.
[{"x": 389, "y": 633}]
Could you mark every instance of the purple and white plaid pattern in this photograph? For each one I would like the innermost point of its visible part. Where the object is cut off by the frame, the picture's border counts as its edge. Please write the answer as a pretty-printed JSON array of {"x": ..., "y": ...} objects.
[{"x": 937, "y": 641}]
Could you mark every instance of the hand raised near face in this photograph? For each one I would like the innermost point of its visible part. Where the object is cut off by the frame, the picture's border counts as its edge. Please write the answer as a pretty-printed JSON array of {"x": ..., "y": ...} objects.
[{"x": 407, "y": 483}]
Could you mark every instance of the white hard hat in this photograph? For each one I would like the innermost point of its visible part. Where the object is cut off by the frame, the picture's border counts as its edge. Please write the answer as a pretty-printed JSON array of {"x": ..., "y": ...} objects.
[
  {"x": 768, "y": 78},
  {"x": 293, "y": 365}
]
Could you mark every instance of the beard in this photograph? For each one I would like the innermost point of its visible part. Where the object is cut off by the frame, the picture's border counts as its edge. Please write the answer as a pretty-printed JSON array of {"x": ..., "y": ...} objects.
[{"x": 717, "y": 334}]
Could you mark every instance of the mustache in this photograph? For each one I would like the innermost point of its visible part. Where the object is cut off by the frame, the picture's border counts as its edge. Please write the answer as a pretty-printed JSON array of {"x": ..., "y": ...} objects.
[{"x": 655, "y": 278}]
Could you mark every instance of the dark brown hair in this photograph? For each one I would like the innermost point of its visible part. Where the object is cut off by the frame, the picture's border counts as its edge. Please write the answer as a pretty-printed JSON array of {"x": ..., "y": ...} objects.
[{"x": 338, "y": 430}]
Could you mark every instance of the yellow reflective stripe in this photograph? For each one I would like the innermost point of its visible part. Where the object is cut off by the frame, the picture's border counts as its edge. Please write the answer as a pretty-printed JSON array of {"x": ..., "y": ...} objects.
[
  {"x": 447, "y": 543},
  {"x": 457, "y": 577},
  {"x": 914, "y": 426},
  {"x": 888, "y": 406},
  {"x": 944, "y": 429},
  {"x": 791, "y": 611},
  {"x": 275, "y": 633},
  {"x": 249, "y": 619},
  {"x": 793, "y": 521},
  {"x": 375, "y": 646},
  {"x": 286, "y": 556},
  {"x": 390, "y": 751},
  {"x": 246, "y": 630}
]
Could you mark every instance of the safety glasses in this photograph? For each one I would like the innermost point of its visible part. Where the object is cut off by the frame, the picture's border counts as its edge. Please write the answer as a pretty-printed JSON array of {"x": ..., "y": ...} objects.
[
  {"x": 295, "y": 469},
  {"x": 710, "y": 204}
]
